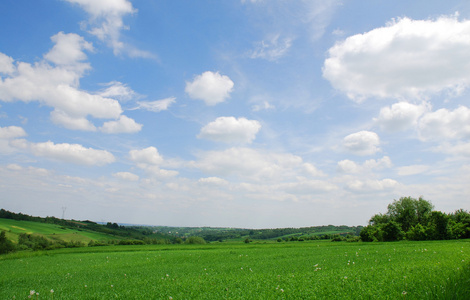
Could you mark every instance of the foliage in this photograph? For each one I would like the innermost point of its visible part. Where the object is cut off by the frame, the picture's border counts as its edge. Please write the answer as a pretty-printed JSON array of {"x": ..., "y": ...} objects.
[
  {"x": 195, "y": 240},
  {"x": 5, "y": 244},
  {"x": 415, "y": 220}
]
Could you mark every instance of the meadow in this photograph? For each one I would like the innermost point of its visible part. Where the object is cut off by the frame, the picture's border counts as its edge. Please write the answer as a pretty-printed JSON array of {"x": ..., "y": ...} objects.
[
  {"x": 13, "y": 228},
  {"x": 301, "y": 270}
]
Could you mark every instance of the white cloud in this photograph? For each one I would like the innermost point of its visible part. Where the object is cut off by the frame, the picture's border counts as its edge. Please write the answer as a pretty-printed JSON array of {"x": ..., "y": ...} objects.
[
  {"x": 445, "y": 124},
  {"x": 72, "y": 153},
  {"x": 11, "y": 132},
  {"x": 349, "y": 166},
  {"x": 459, "y": 149},
  {"x": 106, "y": 21},
  {"x": 68, "y": 52},
  {"x": 213, "y": 181},
  {"x": 156, "y": 106},
  {"x": 362, "y": 143},
  {"x": 406, "y": 58},
  {"x": 400, "y": 116},
  {"x": 210, "y": 87},
  {"x": 412, "y": 170},
  {"x": 118, "y": 90},
  {"x": 127, "y": 176},
  {"x": 248, "y": 164},
  {"x": 307, "y": 187},
  {"x": 372, "y": 185},
  {"x": 57, "y": 86},
  {"x": 7, "y": 136},
  {"x": 231, "y": 130},
  {"x": 6, "y": 64},
  {"x": 147, "y": 156},
  {"x": 122, "y": 125},
  {"x": 272, "y": 48},
  {"x": 75, "y": 123}
]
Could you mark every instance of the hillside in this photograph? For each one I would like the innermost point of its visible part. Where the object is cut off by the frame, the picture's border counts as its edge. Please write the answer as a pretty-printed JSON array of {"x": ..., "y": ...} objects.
[{"x": 53, "y": 232}]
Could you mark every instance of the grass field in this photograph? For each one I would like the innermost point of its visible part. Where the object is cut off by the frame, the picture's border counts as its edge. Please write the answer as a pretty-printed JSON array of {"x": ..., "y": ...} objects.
[
  {"x": 302, "y": 270},
  {"x": 14, "y": 228}
]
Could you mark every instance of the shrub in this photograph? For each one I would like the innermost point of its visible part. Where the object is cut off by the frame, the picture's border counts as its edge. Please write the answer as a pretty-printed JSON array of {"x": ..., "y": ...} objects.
[{"x": 195, "y": 240}]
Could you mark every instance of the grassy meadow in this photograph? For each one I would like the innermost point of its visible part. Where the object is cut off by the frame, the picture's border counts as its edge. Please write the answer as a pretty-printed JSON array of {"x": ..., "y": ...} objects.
[
  {"x": 302, "y": 270},
  {"x": 13, "y": 228}
]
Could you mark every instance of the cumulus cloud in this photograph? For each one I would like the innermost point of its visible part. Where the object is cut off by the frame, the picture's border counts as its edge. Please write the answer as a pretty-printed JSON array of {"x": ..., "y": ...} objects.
[
  {"x": 11, "y": 132},
  {"x": 272, "y": 48},
  {"x": 362, "y": 143},
  {"x": 127, "y": 176},
  {"x": 210, "y": 87},
  {"x": 6, "y": 64},
  {"x": 156, "y": 106},
  {"x": 445, "y": 124},
  {"x": 251, "y": 164},
  {"x": 400, "y": 116},
  {"x": 71, "y": 153},
  {"x": 150, "y": 160},
  {"x": 459, "y": 149},
  {"x": 372, "y": 185},
  {"x": 148, "y": 156},
  {"x": 54, "y": 82},
  {"x": 7, "y": 135},
  {"x": 412, "y": 170},
  {"x": 60, "y": 117},
  {"x": 213, "y": 181},
  {"x": 349, "y": 166},
  {"x": 67, "y": 52},
  {"x": 231, "y": 130},
  {"x": 405, "y": 59},
  {"x": 122, "y": 125}
]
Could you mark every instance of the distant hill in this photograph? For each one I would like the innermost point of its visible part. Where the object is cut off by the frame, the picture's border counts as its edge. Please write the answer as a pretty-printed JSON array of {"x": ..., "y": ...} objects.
[
  {"x": 72, "y": 232},
  {"x": 92, "y": 233},
  {"x": 226, "y": 234}
]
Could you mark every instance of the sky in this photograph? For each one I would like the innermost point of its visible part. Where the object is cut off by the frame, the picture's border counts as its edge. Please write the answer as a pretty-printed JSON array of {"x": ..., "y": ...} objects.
[{"x": 248, "y": 114}]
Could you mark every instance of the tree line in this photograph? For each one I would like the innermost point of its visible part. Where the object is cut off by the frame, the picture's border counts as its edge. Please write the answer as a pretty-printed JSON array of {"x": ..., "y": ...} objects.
[{"x": 414, "y": 219}]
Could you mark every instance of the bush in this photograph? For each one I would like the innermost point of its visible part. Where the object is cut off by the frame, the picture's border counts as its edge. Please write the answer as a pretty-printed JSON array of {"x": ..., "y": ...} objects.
[
  {"x": 195, "y": 240},
  {"x": 131, "y": 242}
]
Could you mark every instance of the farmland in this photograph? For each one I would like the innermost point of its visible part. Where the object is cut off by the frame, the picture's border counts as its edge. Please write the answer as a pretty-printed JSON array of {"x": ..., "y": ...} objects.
[
  {"x": 14, "y": 228},
  {"x": 303, "y": 270}
]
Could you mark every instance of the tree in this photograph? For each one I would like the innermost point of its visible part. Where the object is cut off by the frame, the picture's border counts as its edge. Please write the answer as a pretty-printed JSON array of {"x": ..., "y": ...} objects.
[
  {"x": 5, "y": 244},
  {"x": 438, "y": 226},
  {"x": 408, "y": 212},
  {"x": 392, "y": 231}
]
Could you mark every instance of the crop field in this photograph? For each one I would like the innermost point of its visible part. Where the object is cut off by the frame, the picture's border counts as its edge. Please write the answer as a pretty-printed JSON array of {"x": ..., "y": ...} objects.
[
  {"x": 13, "y": 228},
  {"x": 302, "y": 270}
]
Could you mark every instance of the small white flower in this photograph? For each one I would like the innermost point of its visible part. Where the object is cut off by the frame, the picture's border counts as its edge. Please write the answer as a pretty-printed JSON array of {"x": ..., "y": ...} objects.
[
  {"x": 32, "y": 292},
  {"x": 52, "y": 291}
]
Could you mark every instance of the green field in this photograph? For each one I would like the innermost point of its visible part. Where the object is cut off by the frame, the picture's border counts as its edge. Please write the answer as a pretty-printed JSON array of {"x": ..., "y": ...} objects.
[
  {"x": 14, "y": 228},
  {"x": 304, "y": 270}
]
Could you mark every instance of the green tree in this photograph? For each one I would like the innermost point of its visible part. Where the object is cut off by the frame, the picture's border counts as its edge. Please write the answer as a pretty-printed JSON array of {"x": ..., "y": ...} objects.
[
  {"x": 5, "y": 244},
  {"x": 416, "y": 233},
  {"x": 438, "y": 226},
  {"x": 392, "y": 231},
  {"x": 408, "y": 212}
]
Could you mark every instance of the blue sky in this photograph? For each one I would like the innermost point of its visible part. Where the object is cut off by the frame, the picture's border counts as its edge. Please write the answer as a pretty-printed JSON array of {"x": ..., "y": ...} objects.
[{"x": 233, "y": 113}]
